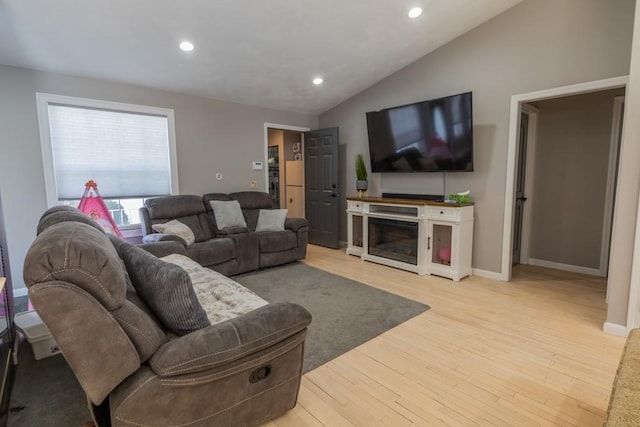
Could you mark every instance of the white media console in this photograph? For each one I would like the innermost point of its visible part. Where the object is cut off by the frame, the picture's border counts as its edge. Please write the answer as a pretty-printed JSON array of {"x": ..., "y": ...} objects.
[{"x": 424, "y": 237}]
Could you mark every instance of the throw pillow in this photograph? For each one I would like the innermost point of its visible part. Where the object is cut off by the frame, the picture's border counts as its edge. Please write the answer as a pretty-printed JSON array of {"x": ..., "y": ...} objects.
[
  {"x": 228, "y": 213},
  {"x": 271, "y": 219},
  {"x": 165, "y": 288},
  {"x": 176, "y": 228}
]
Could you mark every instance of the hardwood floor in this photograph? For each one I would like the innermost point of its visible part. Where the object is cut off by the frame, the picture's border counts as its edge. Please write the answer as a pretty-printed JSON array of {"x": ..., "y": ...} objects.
[{"x": 526, "y": 353}]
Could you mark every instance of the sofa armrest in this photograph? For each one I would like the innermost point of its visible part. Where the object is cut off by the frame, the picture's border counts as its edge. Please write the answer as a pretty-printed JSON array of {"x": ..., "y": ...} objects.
[
  {"x": 161, "y": 237},
  {"x": 164, "y": 248},
  {"x": 295, "y": 224},
  {"x": 231, "y": 340}
]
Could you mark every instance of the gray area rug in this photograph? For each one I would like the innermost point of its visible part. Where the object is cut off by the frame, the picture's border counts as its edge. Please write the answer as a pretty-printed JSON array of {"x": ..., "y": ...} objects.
[
  {"x": 345, "y": 313},
  {"x": 45, "y": 393}
]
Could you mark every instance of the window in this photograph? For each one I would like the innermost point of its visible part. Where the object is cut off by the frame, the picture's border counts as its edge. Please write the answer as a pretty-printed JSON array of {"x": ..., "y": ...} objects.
[
  {"x": 128, "y": 150},
  {"x": 125, "y": 212}
]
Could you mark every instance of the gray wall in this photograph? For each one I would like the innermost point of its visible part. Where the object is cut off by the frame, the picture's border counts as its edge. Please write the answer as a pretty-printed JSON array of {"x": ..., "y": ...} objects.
[
  {"x": 570, "y": 178},
  {"x": 212, "y": 136},
  {"x": 538, "y": 44}
]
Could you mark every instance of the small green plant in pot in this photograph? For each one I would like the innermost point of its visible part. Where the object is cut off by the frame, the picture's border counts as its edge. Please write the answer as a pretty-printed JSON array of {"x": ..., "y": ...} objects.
[{"x": 361, "y": 175}]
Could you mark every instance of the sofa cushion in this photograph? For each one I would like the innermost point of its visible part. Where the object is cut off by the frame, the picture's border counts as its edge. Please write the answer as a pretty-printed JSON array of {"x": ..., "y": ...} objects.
[
  {"x": 276, "y": 241},
  {"x": 166, "y": 289},
  {"x": 221, "y": 297},
  {"x": 188, "y": 209},
  {"x": 271, "y": 219},
  {"x": 230, "y": 231},
  {"x": 176, "y": 228},
  {"x": 78, "y": 253},
  {"x": 64, "y": 213},
  {"x": 174, "y": 206},
  {"x": 228, "y": 214},
  {"x": 252, "y": 199},
  {"x": 212, "y": 252}
]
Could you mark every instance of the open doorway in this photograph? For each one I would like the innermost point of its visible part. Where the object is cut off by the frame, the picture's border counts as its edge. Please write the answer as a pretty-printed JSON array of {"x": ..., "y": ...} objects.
[
  {"x": 549, "y": 203},
  {"x": 307, "y": 176},
  {"x": 564, "y": 198},
  {"x": 285, "y": 169}
]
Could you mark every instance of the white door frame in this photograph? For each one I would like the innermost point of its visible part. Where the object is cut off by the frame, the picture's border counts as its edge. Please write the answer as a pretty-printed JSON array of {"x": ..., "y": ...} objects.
[
  {"x": 532, "y": 128},
  {"x": 268, "y": 126},
  {"x": 512, "y": 146},
  {"x": 614, "y": 147}
]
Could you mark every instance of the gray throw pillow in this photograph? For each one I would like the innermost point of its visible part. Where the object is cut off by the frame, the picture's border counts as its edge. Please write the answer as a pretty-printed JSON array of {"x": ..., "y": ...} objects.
[
  {"x": 271, "y": 219},
  {"x": 165, "y": 288},
  {"x": 227, "y": 213}
]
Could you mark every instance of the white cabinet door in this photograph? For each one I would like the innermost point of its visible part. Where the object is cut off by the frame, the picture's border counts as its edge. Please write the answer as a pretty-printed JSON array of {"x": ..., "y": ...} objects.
[{"x": 295, "y": 201}]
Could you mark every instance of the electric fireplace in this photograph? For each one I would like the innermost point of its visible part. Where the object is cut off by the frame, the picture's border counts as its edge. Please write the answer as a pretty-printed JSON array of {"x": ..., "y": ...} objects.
[{"x": 393, "y": 239}]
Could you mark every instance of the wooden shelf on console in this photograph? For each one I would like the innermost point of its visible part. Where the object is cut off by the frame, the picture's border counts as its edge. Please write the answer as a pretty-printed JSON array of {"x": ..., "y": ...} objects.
[{"x": 406, "y": 202}]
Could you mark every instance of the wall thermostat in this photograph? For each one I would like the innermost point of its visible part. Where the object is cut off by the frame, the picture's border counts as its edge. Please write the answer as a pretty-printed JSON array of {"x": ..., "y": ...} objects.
[{"x": 257, "y": 166}]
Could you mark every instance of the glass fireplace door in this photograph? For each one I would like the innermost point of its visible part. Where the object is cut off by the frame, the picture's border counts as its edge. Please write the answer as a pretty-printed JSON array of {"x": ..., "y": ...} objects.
[{"x": 393, "y": 239}]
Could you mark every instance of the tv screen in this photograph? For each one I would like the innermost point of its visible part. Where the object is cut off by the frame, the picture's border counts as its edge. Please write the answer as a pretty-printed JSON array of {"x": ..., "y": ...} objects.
[{"x": 428, "y": 136}]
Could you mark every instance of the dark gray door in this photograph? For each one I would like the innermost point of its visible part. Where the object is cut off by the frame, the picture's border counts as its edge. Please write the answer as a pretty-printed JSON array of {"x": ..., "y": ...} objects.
[
  {"x": 520, "y": 197},
  {"x": 322, "y": 201}
]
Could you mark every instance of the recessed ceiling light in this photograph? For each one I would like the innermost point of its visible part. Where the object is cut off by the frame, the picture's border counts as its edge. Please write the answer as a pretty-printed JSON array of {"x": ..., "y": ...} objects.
[
  {"x": 415, "y": 12},
  {"x": 186, "y": 46},
  {"x": 318, "y": 81}
]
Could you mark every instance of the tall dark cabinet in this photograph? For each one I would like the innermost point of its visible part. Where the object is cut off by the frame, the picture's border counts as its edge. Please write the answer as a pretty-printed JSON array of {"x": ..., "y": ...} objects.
[
  {"x": 274, "y": 175},
  {"x": 7, "y": 331}
]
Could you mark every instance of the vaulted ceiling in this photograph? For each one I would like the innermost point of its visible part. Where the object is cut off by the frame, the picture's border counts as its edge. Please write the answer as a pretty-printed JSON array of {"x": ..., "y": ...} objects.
[{"x": 262, "y": 53}]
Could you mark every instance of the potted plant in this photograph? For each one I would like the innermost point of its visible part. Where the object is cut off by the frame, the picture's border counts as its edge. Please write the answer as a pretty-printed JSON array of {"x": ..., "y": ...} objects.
[{"x": 361, "y": 174}]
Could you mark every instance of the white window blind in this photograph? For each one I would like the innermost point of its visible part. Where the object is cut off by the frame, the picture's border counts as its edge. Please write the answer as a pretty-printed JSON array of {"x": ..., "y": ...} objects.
[{"x": 126, "y": 153}]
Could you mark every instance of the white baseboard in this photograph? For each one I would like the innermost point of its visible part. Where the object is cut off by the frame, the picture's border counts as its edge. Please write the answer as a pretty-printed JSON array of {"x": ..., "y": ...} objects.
[
  {"x": 20, "y": 292},
  {"x": 565, "y": 267},
  {"x": 486, "y": 274},
  {"x": 614, "y": 329}
]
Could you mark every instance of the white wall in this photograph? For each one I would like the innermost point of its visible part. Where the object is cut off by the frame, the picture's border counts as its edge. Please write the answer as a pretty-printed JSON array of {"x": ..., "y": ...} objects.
[{"x": 212, "y": 136}]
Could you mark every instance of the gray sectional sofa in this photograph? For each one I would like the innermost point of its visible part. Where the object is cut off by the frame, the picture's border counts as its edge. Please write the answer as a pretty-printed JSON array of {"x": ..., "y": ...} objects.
[
  {"x": 231, "y": 250},
  {"x": 141, "y": 341}
]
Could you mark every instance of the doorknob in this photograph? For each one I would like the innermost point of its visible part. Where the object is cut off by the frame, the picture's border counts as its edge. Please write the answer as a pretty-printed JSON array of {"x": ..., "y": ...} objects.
[{"x": 523, "y": 199}]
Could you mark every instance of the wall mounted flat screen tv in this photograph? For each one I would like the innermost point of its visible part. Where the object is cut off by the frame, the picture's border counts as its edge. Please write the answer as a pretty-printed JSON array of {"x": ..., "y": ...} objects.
[{"x": 428, "y": 136}]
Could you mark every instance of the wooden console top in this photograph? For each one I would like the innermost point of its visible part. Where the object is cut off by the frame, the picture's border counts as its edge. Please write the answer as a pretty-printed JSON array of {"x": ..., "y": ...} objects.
[{"x": 407, "y": 202}]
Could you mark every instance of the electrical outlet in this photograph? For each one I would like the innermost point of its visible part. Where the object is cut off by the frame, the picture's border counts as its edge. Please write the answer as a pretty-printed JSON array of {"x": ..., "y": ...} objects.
[{"x": 253, "y": 183}]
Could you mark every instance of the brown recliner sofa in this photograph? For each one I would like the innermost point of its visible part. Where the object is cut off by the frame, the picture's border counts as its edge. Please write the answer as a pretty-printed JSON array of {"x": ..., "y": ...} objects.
[
  {"x": 231, "y": 251},
  {"x": 135, "y": 371}
]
